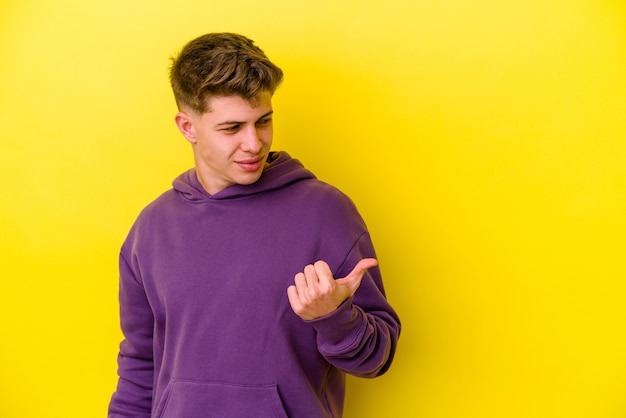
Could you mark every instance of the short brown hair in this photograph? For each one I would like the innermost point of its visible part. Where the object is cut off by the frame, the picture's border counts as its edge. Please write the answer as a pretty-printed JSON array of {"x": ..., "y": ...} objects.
[{"x": 221, "y": 64}]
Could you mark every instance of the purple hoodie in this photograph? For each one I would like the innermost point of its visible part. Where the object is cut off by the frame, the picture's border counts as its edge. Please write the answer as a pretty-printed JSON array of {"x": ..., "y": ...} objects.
[{"x": 208, "y": 328}]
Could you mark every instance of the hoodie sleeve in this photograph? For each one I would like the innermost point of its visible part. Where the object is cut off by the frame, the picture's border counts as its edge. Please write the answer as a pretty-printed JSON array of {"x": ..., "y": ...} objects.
[
  {"x": 360, "y": 337},
  {"x": 133, "y": 397}
]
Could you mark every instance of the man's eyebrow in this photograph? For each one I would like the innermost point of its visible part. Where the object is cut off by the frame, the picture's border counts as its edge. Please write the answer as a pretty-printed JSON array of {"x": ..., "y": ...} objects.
[
  {"x": 271, "y": 112},
  {"x": 234, "y": 122}
]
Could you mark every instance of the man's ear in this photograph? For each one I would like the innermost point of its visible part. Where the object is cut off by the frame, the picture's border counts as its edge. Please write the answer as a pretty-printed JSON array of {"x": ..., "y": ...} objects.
[{"x": 184, "y": 122}]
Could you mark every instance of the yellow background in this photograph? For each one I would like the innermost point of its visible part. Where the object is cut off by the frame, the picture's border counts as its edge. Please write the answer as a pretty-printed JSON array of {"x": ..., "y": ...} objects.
[{"x": 484, "y": 142}]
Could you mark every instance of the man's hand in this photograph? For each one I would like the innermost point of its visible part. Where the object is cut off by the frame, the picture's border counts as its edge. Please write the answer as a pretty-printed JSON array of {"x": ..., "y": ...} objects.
[{"x": 316, "y": 293}]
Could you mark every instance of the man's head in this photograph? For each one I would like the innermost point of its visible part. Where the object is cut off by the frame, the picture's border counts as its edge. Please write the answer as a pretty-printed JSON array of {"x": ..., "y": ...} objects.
[
  {"x": 221, "y": 65},
  {"x": 223, "y": 86}
]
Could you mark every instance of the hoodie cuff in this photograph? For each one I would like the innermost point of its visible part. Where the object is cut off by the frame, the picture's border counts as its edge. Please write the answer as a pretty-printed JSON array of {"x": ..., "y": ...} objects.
[{"x": 340, "y": 327}]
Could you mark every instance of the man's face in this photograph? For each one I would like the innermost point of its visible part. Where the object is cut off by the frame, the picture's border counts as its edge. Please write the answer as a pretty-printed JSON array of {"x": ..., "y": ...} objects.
[{"x": 231, "y": 141}]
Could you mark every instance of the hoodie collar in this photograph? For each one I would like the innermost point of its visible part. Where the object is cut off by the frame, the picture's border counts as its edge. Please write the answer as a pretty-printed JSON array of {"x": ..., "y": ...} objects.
[{"x": 281, "y": 171}]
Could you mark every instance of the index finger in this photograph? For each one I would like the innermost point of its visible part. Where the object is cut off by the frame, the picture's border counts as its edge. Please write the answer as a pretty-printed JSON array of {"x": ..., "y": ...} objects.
[{"x": 323, "y": 271}]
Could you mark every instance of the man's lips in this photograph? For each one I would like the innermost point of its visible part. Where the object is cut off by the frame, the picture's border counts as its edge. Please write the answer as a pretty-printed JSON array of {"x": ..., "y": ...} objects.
[{"x": 250, "y": 164}]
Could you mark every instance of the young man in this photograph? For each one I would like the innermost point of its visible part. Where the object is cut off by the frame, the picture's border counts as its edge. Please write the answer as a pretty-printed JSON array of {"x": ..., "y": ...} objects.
[{"x": 250, "y": 288}]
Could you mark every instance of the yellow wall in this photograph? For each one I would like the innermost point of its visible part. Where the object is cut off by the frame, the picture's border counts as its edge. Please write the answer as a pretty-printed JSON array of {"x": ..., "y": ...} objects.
[{"x": 484, "y": 142}]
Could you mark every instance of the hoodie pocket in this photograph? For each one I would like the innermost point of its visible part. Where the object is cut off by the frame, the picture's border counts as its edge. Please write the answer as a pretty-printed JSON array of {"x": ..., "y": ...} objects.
[{"x": 194, "y": 399}]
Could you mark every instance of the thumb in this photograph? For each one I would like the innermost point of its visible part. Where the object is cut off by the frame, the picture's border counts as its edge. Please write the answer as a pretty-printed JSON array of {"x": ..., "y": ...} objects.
[{"x": 353, "y": 280}]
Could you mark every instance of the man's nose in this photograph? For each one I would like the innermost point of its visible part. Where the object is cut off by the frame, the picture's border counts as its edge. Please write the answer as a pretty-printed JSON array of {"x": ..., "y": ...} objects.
[{"x": 251, "y": 140}]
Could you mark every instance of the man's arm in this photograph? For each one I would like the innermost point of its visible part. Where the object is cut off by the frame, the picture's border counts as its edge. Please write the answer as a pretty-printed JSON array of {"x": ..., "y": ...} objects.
[
  {"x": 357, "y": 329},
  {"x": 133, "y": 397}
]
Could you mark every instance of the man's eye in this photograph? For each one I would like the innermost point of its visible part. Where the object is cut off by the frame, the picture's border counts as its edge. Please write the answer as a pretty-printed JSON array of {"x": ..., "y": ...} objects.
[
  {"x": 232, "y": 128},
  {"x": 266, "y": 121}
]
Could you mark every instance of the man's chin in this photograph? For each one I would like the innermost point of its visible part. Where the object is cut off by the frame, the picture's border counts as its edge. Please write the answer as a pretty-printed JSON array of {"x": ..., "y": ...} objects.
[{"x": 250, "y": 178}]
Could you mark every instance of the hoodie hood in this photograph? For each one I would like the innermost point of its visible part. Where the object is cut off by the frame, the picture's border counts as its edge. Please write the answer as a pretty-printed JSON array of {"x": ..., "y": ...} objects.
[{"x": 281, "y": 171}]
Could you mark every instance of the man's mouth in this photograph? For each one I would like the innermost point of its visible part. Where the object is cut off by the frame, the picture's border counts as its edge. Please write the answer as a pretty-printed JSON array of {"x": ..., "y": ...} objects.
[{"x": 250, "y": 164}]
